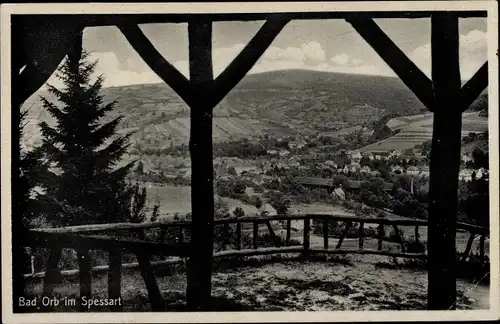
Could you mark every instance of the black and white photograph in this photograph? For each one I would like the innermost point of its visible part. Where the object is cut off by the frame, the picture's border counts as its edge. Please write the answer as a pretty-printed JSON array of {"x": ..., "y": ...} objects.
[{"x": 233, "y": 162}]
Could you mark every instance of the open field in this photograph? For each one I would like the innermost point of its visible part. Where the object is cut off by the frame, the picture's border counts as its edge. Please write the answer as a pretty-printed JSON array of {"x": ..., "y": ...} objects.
[{"x": 416, "y": 129}]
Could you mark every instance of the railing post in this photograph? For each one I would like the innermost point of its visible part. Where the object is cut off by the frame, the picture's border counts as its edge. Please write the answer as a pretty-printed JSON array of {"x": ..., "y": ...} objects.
[
  {"x": 468, "y": 247},
  {"x": 85, "y": 268},
  {"x": 255, "y": 234},
  {"x": 114, "y": 275},
  {"x": 361, "y": 235},
  {"x": 52, "y": 273},
  {"x": 481, "y": 248},
  {"x": 344, "y": 233},
  {"x": 238, "y": 236},
  {"x": 325, "y": 233},
  {"x": 288, "y": 231},
  {"x": 154, "y": 294},
  {"x": 306, "y": 241},
  {"x": 381, "y": 236}
]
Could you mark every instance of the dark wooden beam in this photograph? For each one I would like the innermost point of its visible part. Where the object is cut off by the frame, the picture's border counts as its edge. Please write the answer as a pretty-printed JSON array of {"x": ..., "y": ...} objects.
[
  {"x": 247, "y": 58},
  {"x": 445, "y": 163},
  {"x": 199, "y": 272},
  {"x": 165, "y": 70},
  {"x": 93, "y": 20},
  {"x": 404, "y": 68},
  {"x": 474, "y": 87},
  {"x": 42, "y": 49}
]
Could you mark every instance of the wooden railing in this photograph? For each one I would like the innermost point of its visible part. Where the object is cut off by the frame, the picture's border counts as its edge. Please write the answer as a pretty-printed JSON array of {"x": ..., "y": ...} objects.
[{"x": 89, "y": 237}]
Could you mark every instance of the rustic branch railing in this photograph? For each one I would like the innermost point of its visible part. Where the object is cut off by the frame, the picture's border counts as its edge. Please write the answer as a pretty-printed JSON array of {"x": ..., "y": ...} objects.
[{"x": 85, "y": 238}]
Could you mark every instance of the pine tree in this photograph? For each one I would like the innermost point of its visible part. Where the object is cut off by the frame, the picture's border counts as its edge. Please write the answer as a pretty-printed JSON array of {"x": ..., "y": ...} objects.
[
  {"x": 89, "y": 186},
  {"x": 33, "y": 172}
]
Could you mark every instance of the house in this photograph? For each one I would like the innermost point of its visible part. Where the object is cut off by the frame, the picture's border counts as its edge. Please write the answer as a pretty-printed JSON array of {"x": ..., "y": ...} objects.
[
  {"x": 466, "y": 158},
  {"x": 355, "y": 155},
  {"x": 480, "y": 173},
  {"x": 267, "y": 210},
  {"x": 354, "y": 166},
  {"x": 413, "y": 171},
  {"x": 368, "y": 155},
  {"x": 331, "y": 164},
  {"x": 272, "y": 152},
  {"x": 465, "y": 175},
  {"x": 339, "y": 193},
  {"x": 397, "y": 169},
  {"x": 297, "y": 144},
  {"x": 365, "y": 169},
  {"x": 284, "y": 153},
  {"x": 424, "y": 171},
  {"x": 395, "y": 153}
]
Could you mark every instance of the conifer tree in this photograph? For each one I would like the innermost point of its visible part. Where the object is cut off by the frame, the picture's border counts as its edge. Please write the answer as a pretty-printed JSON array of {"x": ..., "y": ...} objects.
[{"x": 89, "y": 186}]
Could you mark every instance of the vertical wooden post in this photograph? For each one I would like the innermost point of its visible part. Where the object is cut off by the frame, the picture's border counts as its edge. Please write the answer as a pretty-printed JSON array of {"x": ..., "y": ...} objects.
[
  {"x": 445, "y": 162},
  {"x": 114, "y": 275},
  {"x": 181, "y": 235},
  {"x": 52, "y": 271},
  {"x": 381, "y": 236},
  {"x": 288, "y": 231},
  {"x": 225, "y": 233},
  {"x": 361, "y": 235},
  {"x": 238, "y": 236},
  {"x": 325, "y": 233},
  {"x": 85, "y": 275},
  {"x": 481, "y": 248},
  {"x": 307, "y": 242},
  {"x": 255, "y": 234},
  {"x": 199, "y": 272}
]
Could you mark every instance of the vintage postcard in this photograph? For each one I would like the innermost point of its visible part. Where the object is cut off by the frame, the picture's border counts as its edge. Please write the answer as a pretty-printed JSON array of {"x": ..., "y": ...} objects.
[{"x": 250, "y": 162}]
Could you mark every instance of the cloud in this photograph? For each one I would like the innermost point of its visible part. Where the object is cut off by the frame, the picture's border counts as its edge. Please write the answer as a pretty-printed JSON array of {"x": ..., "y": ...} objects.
[
  {"x": 314, "y": 51},
  {"x": 472, "y": 51},
  {"x": 108, "y": 66},
  {"x": 340, "y": 59}
]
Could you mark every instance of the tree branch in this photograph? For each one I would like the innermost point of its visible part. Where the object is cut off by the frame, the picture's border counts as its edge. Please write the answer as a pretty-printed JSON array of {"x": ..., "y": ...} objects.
[
  {"x": 247, "y": 58},
  {"x": 473, "y": 88},
  {"x": 405, "y": 69},
  {"x": 164, "y": 69}
]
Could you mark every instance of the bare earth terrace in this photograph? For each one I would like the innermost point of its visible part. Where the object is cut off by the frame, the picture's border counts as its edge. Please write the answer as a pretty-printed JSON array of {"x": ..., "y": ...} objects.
[{"x": 287, "y": 284}]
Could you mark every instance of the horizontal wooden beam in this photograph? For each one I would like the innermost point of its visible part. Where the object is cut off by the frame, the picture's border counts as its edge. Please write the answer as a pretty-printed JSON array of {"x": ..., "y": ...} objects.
[
  {"x": 371, "y": 252},
  {"x": 247, "y": 58},
  {"x": 474, "y": 87},
  {"x": 397, "y": 60},
  {"x": 251, "y": 219},
  {"x": 93, "y": 20},
  {"x": 164, "y": 69},
  {"x": 72, "y": 241}
]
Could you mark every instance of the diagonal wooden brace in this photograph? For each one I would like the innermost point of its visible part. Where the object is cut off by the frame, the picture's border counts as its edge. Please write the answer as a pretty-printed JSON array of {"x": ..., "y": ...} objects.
[
  {"x": 164, "y": 69},
  {"x": 247, "y": 58},
  {"x": 405, "y": 69},
  {"x": 473, "y": 88}
]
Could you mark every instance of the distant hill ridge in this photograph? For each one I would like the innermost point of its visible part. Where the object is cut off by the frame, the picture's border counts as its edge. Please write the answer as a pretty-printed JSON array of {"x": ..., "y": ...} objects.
[{"x": 276, "y": 103}]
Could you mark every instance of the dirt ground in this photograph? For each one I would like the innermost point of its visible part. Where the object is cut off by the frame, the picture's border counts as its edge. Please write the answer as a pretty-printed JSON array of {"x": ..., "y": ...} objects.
[{"x": 341, "y": 284}]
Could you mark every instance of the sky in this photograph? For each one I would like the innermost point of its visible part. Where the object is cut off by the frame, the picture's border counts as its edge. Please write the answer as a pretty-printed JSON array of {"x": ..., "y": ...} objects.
[{"x": 324, "y": 45}]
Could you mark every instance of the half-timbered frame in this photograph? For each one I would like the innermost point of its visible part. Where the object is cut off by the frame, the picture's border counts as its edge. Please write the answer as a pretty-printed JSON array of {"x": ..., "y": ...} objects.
[{"x": 42, "y": 41}]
